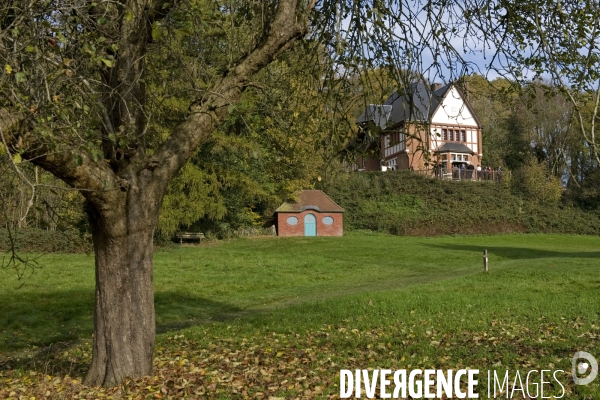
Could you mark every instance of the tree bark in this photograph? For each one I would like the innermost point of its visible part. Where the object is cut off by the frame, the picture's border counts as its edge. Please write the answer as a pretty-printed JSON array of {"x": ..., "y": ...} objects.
[
  {"x": 124, "y": 324},
  {"x": 124, "y": 190}
]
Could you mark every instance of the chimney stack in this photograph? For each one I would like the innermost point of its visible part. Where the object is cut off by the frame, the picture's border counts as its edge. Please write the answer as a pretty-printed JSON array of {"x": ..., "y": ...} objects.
[{"x": 435, "y": 86}]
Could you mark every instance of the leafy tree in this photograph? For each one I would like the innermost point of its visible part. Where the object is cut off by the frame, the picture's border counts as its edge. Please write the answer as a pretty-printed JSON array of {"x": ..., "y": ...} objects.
[
  {"x": 193, "y": 194},
  {"x": 75, "y": 103},
  {"x": 588, "y": 195},
  {"x": 77, "y": 98},
  {"x": 494, "y": 103},
  {"x": 523, "y": 119},
  {"x": 278, "y": 138},
  {"x": 535, "y": 183},
  {"x": 31, "y": 197},
  {"x": 547, "y": 122},
  {"x": 554, "y": 40}
]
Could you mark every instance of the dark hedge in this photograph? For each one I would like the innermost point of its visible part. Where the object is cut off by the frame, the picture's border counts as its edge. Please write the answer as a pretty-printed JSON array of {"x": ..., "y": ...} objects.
[{"x": 404, "y": 203}]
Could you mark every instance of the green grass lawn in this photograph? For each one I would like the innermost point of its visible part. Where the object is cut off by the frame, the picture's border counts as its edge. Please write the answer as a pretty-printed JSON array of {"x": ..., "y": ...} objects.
[{"x": 281, "y": 316}]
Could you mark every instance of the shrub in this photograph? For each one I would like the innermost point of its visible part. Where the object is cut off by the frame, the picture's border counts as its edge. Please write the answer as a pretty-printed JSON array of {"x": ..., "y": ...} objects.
[{"x": 533, "y": 182}]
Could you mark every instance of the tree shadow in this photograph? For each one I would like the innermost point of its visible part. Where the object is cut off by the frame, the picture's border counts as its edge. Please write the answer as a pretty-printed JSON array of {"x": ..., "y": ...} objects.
[
  {"x": 515, "y": 253},
  {"x": 51, "y": 332},
  {"x": 175, "y": 311}
]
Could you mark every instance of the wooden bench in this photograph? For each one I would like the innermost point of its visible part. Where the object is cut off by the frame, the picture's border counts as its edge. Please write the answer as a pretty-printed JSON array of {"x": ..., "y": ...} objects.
[{"x": 189, "y": 236}]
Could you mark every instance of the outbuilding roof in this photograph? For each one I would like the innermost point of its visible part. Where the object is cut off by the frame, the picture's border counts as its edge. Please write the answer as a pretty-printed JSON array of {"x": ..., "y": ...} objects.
[{"x": 311, "y": 200}]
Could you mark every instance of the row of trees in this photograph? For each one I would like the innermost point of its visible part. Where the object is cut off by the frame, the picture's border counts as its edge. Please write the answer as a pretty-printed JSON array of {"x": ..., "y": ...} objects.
[
  {"x": 212, "y": 111},
  {"x": 532, "y": 129},
  {"x": 285, "y": 135}
]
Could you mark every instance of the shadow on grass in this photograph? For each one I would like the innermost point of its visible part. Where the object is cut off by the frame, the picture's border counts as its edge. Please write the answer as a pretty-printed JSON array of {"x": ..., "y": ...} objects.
[
  {"x": 39, "y": 331},
  {"x": 175, "y": 311},
  {"x": 516, "y": 253}
]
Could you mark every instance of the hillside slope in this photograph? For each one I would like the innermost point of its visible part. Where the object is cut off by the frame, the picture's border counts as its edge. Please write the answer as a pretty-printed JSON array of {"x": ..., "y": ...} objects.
[{"x": 402, "y": 203}]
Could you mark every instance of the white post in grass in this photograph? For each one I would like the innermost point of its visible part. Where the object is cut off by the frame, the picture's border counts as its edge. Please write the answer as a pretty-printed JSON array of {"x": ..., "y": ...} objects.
[{"x": 485, "y": 261}]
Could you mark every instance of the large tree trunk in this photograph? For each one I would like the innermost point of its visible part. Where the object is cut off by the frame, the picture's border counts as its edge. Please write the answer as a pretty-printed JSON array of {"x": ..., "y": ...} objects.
[
  {"x": 125, "y": 187},
  {"x": 124, "y": 311}
]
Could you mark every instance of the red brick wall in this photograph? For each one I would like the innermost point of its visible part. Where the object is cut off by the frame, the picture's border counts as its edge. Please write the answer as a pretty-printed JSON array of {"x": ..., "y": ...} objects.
[
  {"x": 335, "y": 229},
  {"x": 368, "y": 164}
]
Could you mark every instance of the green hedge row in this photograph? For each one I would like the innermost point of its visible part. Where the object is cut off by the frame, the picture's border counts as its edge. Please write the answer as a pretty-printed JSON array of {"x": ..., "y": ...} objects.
[
  {"x": 42, "y": 241},
  {"x": 399, "y": 203},
  {"x": 403, "y": 203}
]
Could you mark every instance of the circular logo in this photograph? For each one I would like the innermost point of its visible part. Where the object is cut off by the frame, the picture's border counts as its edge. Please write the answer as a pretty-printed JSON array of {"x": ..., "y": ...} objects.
[{"x": 583, "y": 367}]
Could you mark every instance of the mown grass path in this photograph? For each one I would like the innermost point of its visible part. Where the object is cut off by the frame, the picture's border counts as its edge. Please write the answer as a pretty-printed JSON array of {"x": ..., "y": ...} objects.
[{"x": 280, "y": 317}]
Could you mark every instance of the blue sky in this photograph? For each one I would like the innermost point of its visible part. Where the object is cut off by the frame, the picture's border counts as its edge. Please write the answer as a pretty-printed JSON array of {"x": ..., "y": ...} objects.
[{"x": 472, "y": 54}]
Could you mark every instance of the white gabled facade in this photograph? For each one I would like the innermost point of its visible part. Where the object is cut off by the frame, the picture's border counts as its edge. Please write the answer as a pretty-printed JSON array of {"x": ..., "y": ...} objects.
[
  {"x": 453, "y": 122},
  {"x": 453, "y": 110}
]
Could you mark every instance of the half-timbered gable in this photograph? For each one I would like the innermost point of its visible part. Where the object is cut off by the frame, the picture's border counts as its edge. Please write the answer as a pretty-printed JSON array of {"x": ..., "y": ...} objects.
[{"x": 424, "y": 126}]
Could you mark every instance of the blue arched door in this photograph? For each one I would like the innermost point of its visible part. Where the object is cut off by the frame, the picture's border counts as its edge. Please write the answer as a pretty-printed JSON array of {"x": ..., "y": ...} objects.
[{"x": 310, "y": 225}]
